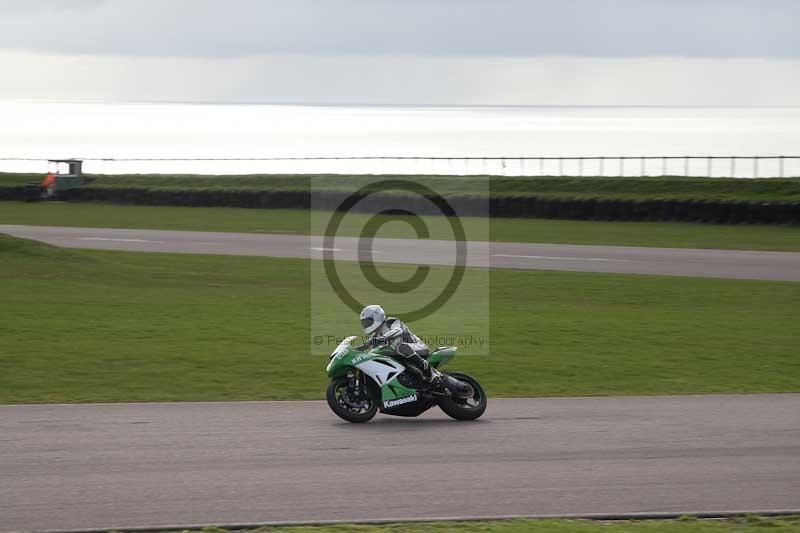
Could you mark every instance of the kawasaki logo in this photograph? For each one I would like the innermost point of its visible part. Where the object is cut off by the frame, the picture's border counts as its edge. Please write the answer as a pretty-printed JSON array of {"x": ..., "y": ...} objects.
[{"x": 400, "y": 401}]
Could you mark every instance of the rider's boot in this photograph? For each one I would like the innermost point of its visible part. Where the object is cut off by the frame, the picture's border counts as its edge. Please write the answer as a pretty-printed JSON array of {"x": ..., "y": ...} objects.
[
  {"x": 429, "y": 374},
  {"x": 435, "y": 379}
]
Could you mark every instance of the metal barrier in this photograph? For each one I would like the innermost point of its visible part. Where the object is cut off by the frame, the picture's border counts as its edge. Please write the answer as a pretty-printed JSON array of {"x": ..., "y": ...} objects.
[{"x": 773, "y": 166}]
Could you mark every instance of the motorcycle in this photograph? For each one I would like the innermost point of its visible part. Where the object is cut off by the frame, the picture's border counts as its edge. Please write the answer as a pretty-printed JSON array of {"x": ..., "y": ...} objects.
[{"x": 366, "y": 380}]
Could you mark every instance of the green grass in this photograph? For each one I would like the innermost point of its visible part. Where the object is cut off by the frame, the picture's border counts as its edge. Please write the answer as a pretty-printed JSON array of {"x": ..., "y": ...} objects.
[
  {"x": 8, "y": 179},
  {"x": 668, "y": 187},
  {"x": 681, "y": 235},
  {"x": 91, "y": 326},
  {"x": 745, "y": 524}
]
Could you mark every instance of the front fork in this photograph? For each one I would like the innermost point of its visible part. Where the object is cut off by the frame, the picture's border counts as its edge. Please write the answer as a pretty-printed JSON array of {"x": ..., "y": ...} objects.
[{"x": 355, "y": 384}]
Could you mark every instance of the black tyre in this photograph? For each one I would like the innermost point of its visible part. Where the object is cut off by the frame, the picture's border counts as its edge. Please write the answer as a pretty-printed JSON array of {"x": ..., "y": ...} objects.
[
  {"x": 339, "y": 404},
  {"x": 465, "y": 408}
]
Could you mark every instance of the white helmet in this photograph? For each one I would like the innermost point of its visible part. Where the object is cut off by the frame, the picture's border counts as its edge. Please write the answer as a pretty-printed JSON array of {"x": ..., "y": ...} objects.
[{"x": 372, "y": 317}]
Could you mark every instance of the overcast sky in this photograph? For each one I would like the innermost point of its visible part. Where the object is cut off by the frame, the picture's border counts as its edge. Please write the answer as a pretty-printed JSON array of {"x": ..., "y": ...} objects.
[{"x": 567, "y": 52}]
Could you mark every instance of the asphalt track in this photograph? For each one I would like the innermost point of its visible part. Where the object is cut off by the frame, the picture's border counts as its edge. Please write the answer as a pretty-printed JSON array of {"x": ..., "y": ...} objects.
[
  {"x": 579, "y": 258},
  {"x": 127, "y": 465}
]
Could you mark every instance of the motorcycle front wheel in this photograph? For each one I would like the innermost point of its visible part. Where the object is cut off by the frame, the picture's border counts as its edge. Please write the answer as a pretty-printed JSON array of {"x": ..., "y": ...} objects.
[
  {"x": 340, "y": 404},
  {"x": 465, "y": 408}
]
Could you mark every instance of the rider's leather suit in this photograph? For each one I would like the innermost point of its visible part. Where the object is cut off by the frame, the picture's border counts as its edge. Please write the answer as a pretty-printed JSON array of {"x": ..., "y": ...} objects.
[{"x": 395, "y": 334}]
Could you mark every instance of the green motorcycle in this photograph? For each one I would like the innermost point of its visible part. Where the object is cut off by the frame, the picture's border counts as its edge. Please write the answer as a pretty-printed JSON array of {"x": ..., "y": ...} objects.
[{"x": 366, "y": 380}]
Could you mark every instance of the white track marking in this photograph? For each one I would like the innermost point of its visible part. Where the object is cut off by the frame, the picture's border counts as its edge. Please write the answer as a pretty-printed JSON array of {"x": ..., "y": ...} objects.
[
  {"x": 339, "y": 250},
  {"x": 556, "y": 258}
]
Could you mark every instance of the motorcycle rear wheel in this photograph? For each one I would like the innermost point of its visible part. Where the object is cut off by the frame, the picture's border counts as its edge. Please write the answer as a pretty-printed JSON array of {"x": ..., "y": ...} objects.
[
  {"x": 465, "y": 408},
  {"x": 340, "y": 407}
]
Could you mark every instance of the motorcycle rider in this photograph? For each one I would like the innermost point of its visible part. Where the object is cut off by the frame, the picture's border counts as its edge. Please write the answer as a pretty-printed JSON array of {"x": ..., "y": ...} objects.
[{"x": 392, "y": 332}]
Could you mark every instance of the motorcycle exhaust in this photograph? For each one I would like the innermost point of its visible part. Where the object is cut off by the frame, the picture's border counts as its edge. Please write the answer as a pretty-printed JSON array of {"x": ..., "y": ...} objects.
[{"x": 458, "y": 388}]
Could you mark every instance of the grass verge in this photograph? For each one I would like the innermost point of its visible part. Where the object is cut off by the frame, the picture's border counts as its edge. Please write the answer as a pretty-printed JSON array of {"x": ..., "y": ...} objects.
[
  {"x": 631, "y": 188},
  {"x": 660, "y": 234},
  {"x": 91, "y": 326},
  {"x": 688, "y": 524}
]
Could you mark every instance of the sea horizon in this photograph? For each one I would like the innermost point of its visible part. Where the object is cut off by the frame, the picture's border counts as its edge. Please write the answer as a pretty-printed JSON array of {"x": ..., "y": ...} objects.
[{"x": 92, "y": 130}]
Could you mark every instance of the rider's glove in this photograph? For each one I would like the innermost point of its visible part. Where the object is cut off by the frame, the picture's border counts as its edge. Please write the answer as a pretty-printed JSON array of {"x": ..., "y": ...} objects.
[{"x": 374, "y": 342}]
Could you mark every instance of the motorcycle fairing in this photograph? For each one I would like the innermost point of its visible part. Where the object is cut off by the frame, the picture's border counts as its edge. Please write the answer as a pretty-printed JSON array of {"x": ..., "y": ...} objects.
[
  {"x": 442, "y": 355},
  {"x": 377, "y": 364}
]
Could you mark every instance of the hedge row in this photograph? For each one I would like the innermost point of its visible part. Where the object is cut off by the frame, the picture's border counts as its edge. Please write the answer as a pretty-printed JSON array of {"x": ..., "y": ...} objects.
[
  {"x": 726, "y": 212},
  {"x": 720, "y": 212}
]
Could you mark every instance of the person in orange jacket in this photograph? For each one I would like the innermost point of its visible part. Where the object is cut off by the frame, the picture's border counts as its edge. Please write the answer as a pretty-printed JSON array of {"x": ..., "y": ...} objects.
[{"x": 49, "y": 182}]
